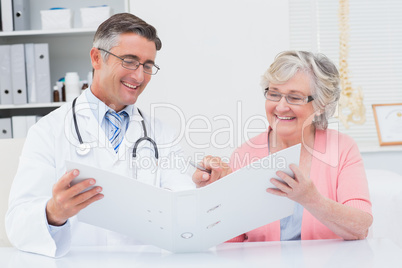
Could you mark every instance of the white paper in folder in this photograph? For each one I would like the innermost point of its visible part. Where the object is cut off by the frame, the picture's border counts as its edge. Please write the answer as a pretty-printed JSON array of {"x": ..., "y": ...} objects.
[{"x": 192, "y": 220}]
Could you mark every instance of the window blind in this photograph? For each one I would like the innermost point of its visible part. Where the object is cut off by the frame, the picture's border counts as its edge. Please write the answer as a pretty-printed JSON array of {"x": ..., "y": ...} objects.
[{"x": 375, "y": 50}]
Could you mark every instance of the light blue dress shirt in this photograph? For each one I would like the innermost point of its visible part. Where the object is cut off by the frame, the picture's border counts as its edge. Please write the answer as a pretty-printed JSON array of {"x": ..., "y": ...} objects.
[
  {"x": 291, "y": 225},
  {"x": 102, "y": 109}
]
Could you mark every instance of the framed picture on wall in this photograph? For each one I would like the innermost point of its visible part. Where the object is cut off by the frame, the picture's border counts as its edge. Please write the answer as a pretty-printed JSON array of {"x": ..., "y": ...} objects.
[{"x": 388, "y": 120}]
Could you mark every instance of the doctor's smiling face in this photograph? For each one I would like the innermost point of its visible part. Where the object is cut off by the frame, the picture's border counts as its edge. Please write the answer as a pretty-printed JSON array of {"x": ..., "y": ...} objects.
[{"x": 116, "y": 85}]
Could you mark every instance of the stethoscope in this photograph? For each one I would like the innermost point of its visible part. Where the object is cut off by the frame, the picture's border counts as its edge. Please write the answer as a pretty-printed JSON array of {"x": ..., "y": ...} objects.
[{"x": 84, "y": 148}]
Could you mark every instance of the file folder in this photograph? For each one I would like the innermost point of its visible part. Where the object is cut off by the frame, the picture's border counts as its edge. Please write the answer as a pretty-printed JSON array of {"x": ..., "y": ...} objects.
[
  {"x": 192, "y": 220},
  {"x": 18, "y": 74},
  {"x": 6, "y": 96},
  {"x": 21, "y": 15},
  {"x": 5, "y": 128},
  {"x": 38, "y": 73},
  {"x": 7, "y": 15},
  {"x": 42, "y": 72},
  {"x": 19, "y": 126},
  {"x": 30, "y": 69}
]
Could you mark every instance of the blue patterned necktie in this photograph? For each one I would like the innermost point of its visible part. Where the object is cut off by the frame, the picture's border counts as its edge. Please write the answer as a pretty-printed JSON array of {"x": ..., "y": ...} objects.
[{"x": 114, "y": 123}]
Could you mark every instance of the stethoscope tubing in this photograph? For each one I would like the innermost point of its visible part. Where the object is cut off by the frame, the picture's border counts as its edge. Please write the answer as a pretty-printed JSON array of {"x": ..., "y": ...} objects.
[{"x": 84, "y": 148}]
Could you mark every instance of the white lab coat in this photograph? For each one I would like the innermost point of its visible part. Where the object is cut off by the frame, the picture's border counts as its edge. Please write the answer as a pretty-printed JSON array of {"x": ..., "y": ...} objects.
[{"x": 52, "y": 141}]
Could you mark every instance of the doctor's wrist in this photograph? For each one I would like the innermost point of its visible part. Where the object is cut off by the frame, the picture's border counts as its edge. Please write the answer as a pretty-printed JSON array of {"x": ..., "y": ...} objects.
[{"x": 51, "y": 219}]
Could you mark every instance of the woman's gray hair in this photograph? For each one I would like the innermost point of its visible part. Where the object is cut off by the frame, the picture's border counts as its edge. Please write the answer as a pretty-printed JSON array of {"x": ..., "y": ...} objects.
[
  {"x": 108, "y": 34},
  {"x": 325, "y": 80}
]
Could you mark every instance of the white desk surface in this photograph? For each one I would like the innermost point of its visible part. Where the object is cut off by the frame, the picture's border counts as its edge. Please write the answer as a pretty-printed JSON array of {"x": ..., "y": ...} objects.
[{"x": 313, "y": 253}]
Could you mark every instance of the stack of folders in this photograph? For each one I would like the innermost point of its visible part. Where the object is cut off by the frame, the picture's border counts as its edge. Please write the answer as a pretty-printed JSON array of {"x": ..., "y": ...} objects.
[
  {"x": 24, "y": 74},
  {"x": 14, "y": 15},
  {"x": 17, "y": 126},
  {"x": 24, "y": 78}
]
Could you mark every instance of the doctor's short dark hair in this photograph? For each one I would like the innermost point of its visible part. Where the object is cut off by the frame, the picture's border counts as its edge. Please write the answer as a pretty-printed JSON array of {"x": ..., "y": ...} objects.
[{"x": 108, "y": 34}]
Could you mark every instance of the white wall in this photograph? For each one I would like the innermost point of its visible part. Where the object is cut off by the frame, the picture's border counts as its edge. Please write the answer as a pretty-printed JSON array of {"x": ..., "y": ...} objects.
[
  {"x": 388, "y": 160},
  {"x": 212, "y": 58}
]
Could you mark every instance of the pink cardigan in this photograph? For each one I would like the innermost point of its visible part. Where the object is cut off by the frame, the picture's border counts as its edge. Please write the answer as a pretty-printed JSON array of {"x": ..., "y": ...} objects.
[{"x": 336, "y": 169}]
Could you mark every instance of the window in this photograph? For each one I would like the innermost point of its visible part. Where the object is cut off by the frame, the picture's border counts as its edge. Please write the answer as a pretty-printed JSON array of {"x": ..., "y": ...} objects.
[{"x": 375, "y": 50}]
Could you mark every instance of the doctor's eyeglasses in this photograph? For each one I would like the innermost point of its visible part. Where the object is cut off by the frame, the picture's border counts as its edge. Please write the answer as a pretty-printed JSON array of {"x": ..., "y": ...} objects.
[
  {"x": 294, "y": 99},
  {"x": 133, "y": 64}
]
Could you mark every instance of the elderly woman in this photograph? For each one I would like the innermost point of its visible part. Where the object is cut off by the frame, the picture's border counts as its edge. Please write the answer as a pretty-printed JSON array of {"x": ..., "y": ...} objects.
[{"x": 329, "y": 186}]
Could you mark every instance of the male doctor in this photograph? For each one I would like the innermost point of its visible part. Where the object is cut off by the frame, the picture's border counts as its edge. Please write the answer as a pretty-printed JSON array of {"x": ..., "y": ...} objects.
[{"x": 43, "y": 202}]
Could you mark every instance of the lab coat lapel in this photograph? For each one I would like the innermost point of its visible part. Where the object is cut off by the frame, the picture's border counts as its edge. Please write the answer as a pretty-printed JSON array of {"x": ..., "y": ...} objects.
[
  {"x": 133, "y": 133},
  {"x": 149, "y": 173},
  {"x": 90, "y": 127}
]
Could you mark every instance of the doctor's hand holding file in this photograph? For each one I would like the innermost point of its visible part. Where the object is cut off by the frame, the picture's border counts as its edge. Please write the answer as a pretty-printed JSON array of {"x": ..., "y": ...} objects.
[
  {"x": 102, "y": 128},
  {"x": 68, "y": 200},
  {"x": 329, "y": 188}
]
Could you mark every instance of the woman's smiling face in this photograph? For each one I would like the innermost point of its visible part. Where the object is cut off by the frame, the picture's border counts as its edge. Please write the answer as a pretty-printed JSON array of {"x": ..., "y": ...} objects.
[{"x": 288, "y": 120}]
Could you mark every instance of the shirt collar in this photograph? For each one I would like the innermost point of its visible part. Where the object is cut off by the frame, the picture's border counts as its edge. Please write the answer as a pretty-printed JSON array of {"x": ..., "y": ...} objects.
[{"x": 100, "y": 108}]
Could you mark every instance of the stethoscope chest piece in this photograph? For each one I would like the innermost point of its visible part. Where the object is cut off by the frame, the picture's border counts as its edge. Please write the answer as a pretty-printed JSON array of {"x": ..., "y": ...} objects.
[{"x": 83, "y": 149}]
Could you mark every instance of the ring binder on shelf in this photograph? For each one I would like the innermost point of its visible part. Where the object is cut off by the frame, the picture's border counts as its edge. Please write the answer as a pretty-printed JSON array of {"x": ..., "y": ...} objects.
[
  {"x": 18, "y": 74},
  {"x": 42, "y": 71},
  {"x": 21, "y": 15},
  {"x": 6, "y": 96},
  {"x": 7, "y": 15},
  {"x": 5, "y": 128},
  {"x": 38, "y": 73}
]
